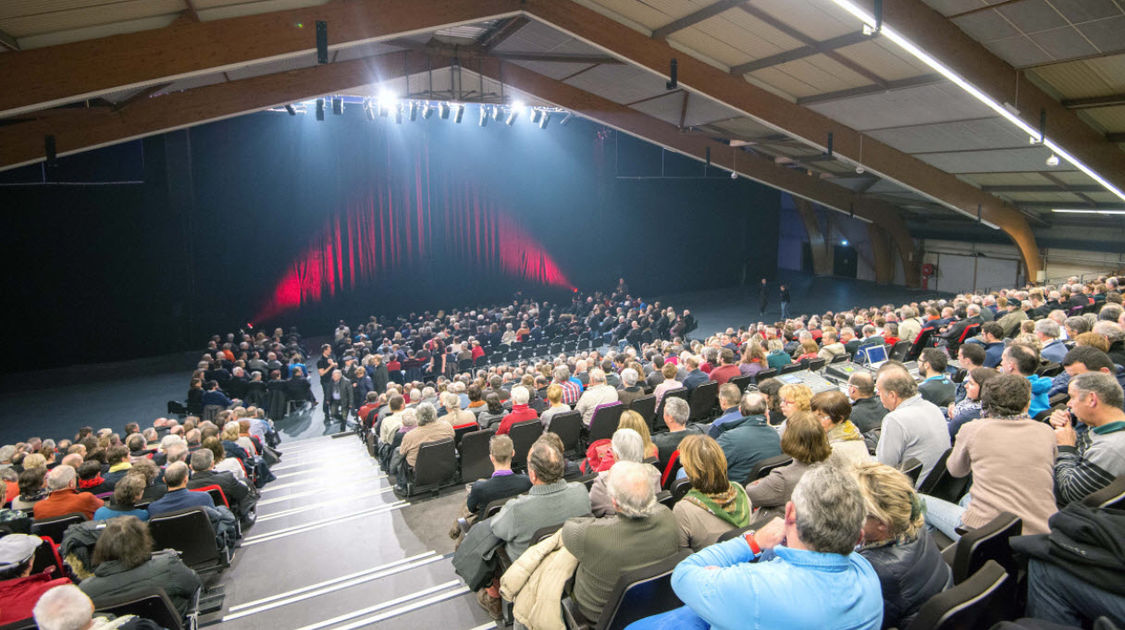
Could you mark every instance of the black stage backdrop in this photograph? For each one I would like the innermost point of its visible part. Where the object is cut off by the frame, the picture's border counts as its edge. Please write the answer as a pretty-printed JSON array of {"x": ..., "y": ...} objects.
[{"x": 282, "y": 220}]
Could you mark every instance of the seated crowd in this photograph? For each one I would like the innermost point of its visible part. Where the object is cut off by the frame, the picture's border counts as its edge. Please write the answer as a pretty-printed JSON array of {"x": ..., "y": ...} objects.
[
  {"x": 118, "y": 482},
  {"x": 1035, "y": 446}
]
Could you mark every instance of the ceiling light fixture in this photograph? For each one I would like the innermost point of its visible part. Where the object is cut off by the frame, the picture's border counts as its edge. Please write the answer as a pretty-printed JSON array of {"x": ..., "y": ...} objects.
[
  {"x": 443, "y": 108},
  {"x": 1086, "y": 211},
  {"x": 483, "y": 116},
  {"x": 1052, "y": 160},
  {"x": 868, "y": 20},
  {"x": 544, "y": 120},
  {"x": 459, "y": 112}
]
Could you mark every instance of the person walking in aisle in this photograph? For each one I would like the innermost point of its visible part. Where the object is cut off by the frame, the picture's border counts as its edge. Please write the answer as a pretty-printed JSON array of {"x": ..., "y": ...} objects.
[
  {"x": 784, "y": 302},
  {"x": 763, "y": 299}
]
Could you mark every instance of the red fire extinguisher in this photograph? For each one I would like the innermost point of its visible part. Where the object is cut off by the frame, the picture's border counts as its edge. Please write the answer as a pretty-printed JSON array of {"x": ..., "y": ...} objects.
[{"x": 928, "y": 271}]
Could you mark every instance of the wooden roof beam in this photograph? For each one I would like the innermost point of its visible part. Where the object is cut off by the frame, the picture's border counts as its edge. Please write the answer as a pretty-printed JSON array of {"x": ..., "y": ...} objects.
[
  {"x": 78, "y": 130},
  {"x": 786, "y": 117},
  {"x": 56, "y": 75}
]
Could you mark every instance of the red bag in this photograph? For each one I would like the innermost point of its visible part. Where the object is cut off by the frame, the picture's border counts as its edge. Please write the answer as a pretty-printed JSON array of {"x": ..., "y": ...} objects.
[{"x": 599, "y": 457}]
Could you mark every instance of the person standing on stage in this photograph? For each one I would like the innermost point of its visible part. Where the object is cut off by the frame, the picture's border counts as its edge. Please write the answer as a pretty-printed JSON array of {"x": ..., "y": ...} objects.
[
  {"x": 763, "y": 299},
  {"x": 784, "y": 302}
]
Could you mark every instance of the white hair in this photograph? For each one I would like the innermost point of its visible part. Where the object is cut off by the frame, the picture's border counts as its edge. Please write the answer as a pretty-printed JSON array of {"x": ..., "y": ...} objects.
[
  {"x": 597, "y": 376},
  {"x": 63, "y": 608},
  {"x": 629, "y": 377},
  {"x": 520, "y": 395},
  {"x": 628, "y": 446},
  {"x": 630, "y": 486}
]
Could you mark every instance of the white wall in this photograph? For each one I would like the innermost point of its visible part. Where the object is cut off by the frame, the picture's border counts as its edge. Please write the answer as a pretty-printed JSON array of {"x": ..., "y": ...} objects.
[{"x": 971, "y": 266}]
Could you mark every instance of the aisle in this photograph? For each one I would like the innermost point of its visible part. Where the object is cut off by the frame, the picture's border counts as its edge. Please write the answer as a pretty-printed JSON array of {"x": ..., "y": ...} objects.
[{"x": 333, "y": 548}]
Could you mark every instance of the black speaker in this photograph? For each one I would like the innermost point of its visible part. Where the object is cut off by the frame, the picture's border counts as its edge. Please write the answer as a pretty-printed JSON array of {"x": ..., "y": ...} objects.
[
  {"x": 321, "y": 41},
  {"x": 673, "y": 82},
  {"x": 49, "y": 150},
  {"x": 320, "y": 109}
]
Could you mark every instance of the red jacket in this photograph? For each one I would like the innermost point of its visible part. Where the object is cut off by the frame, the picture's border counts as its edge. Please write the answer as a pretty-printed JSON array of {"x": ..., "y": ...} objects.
[
  {"x": 519, "y": 414},
  {"x": 19, "y": 596},
  {"x": 65, "y": 501},
  {"x": 724, "y": 373}
]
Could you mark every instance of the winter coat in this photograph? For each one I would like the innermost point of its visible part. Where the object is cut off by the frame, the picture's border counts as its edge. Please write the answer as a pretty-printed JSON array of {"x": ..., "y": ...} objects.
[{"x": 535, "y": 582}]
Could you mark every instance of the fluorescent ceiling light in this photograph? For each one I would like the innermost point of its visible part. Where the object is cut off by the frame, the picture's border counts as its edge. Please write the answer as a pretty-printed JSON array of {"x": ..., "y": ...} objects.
[
  {"x": 1086, "y": 211},
  {"x": 945, "y": 71}
]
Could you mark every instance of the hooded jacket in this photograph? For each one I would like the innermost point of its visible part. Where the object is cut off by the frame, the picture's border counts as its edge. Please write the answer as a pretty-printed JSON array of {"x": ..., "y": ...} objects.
[{"x": 1040, "y": 385}]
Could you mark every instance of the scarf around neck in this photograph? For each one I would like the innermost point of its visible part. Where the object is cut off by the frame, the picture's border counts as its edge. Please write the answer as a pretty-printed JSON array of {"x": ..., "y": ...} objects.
[
  {"x": 844, "y": 432},
  {"x": 732, "y": 506},
  {"x": 90, "y": 483}
]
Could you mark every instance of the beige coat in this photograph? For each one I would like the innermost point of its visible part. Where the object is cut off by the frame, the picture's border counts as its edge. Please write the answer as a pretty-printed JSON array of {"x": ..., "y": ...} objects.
[{"x": 535, "y": 584}]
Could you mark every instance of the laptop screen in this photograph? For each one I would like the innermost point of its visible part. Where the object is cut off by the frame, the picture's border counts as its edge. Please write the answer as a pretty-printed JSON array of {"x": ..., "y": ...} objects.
[{"x": 876, "y": 354}]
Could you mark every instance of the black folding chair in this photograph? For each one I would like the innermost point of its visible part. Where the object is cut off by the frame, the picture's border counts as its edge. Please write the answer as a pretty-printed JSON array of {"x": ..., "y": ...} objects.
[
  {"x": 764, "y": 374},
  {"x": 189, "y": 531},
  {"x": 55, "y": 527},
  {"x": 568, "y": 426},
  {"x": 911, "y": 468},
  {"x": 816, "y": 365},
  {"x": 1111, "y": 496},
  {"x": 523, "y": 435},
  {"x": 702, "y": 401},
  {"x": 435, "y": 468},
  {"x": 475, "y": 463},
  {"x": 638, "y": 594},
  {"x": 742, "y": 382},
  {"x": 965, "y": 606},
  {"x": 646, "y": 406},
  {"x": 986, "y": 543},
  {"x": 680, "y": 488},
  {"x": 768, "y": 465},
  {"x": 151, "y": 603},
  {"x": 604, "y": 421},
  {"x": 942, "y": 485}
]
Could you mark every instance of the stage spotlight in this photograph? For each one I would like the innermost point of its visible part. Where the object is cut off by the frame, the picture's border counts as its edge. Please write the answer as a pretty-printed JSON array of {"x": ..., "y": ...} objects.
[
  {"x": 566, "y": 119},
  {"x": 483, "y": 116},
  {"x": 398, "y": 114},
  {"x": 289, "y": 108},
  {"x": 844, "y": 242},
  {"x": 443, "y": 108},
  {"x": 427, "y": 111},
  {"x": 413, "y": 111},
  {"x": 513, "y": 114},
  {"x": 337, "y": 105},
  {"x": 459, "y": 113},
  {"x": 544, "y": 120},
  {"x": 496, "y": 113},
  {"x": 534, "y": 116},
  {"x": 387, "y": 102},
  {"x": 320, "y": 109}
]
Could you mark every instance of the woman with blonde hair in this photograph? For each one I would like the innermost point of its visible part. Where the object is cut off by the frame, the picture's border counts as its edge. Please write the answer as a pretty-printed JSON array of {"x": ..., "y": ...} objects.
[
  {"x": 714, "y": 505},
  {"x": 794, "y": 399},
  {"x": 632, "y": 420},
  {"x": 897, "y": 544}
]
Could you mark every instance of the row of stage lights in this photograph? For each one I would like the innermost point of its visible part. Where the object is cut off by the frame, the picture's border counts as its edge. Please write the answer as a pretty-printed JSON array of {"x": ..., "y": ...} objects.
[{"x": 389, "y": 106}]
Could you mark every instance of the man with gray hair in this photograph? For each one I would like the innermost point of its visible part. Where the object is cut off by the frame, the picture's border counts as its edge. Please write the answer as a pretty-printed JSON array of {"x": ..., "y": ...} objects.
[
  {"x": 913, "y": 427},
  {"x": 750, "y": 439},
  {"x": 598, "y": 393},
  {"x": 428, "y": 430},
  {"x": 203, "y": 474},
  {"x": 571, "y": 389},
  {"x": 629, "y": 390},
  {"x": 1089, "y": 463},
  {"x": 627, "y": 446},
  {"x": 521, "y": 411},
  {"x": 642, "y": 532},
  {"x": 62, "y": 482},
  {"x": 1047, "y": 332},
  {"x": 726, "y": 586},
  {"x": 676, "y": 414}
]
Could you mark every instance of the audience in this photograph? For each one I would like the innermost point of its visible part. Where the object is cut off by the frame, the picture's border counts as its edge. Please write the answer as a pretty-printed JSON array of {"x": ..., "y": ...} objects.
[
  {"x": 126, "y": 495},
  {"x": 806, "y": 442},
  {"x": 676, "y": 413},
  {"x": 19, "y": 588},
  {"x": 832, "y": 409},
  {"x": 626, "y": 446},
  {"x": 748, "y": 440},
  {"x": 1088, "y": 462},
  {"x": 714, "y": 505},
  {"x": 63, "y": 497}
]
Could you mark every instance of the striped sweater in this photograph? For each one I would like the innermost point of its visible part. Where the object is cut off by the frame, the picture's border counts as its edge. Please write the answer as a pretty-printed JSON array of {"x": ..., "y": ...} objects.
[{"x": 1090, "y": 465}]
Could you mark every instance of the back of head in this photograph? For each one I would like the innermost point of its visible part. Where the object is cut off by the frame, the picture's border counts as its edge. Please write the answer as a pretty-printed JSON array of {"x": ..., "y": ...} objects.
[
  {"x": 89, "y": 469},
  {"x": 975, "y": 353},
  {"x": 935, "y": 358},
  {"x": 704, "y": 463},
  {"x": 60, "y": 477},
  {"x": 628, "y": 446},
  {"x": 126, "y": 540},
  {"x": 805, "y": 439},
  {"x": 502, "y": 449},
  {"x": 520, "y": 395},
  {"x": 1025, "y": 358},
  {"x": 63, "y": 608},
  {"x": 677, "y": 409},
  {"x": 830, "y": 510},
  {"x": 894, "y": 378},
  {"x": 1089, "y": 356},
  {"x": 832, "y": 403},
  {"x": 176, "y": 474},
  {"x": 863, "y": 383},
  {"x": 890, "y": 498},
  {"x": 426, "y": 414},
  {"x": 202, "y": 459},
  {"x": 1005, "y": 396},
  {"x": 753, "y": 404},
  {"x": 127, "y": 488},
  {"x": 546, "y": 462},
  {"x": 630, "y": 485}
]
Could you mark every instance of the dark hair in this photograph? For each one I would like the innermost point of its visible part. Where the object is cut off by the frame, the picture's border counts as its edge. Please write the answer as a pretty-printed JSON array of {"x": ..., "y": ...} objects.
[
  {"x": 805, "y": 439},
  {"x": 1005, "y": 396},
  {"x": 473, "y": 393},
  {"x": 1091, "y": 357},
  {"x": 833, "y": 403},
  {"x": 216, "y": 447},
  {"x": 936, "y": 358},
  {"x": 397, "y": 402},
  {"x": 89, "y": 469},
  {"x": 546, "y": 461},
  {"x": 992, "y": 328},
  {"x": 126, "y": 540},
  {"x": 31, "y": 481},
  {"x": 493, "y": 400},
  {"x": 116, "y": 453},
  {"x": 126, "y": 490},
  {"x": 981, "y": 376},
  {"x": 973, "y": 352},
  {"x": 1025, "y": 357}
]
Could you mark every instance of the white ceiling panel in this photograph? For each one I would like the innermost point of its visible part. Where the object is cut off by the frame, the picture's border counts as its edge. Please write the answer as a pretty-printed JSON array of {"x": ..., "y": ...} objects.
[
  {"x": 954, "y": 136},
  {"x": 620, "y": 83},
  {"x": 1003, "y": 160},
  {"x": 666, "y": 108},
  {"x": 703, "y": 111},
  {"x": 941, "y": 102},
  {"x": 553, "y": 69}
]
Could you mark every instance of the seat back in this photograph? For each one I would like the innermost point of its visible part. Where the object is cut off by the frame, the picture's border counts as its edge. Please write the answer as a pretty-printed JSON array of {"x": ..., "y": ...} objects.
[
  {"x": 1111, "y": 496},
  {"x": 188, "y": 531},
  {"x": 641, "y": 593},
  {"x": 1049, "y": 369},
  {"x": 461, "y": 430},
  {"x": 970, "y": 331},
  {"x": 982, "y": 544},
  {"x": 646, "y": 406},
  {"x": 523, "y": 435},
  {"x": 217, "y": 495},
  {"x": 734, "y": 532},
  {"x": 939, "y": 483},
  {"x": 900, "y": 349},
  {"x": 658, "y": 417},
  {"x": 151, "y": 603},
  {"x": 670, "y": 470},
  {"x": 921, "y": 342},
  {"x": 792, "y": 367},
  {"x": 768, "y": 465},
  {"x": 475, "y": 463},
  {"x": 680, "y": 488},
  {"x": 436, "y": 465},
  {"x": 493, "y": 507},
  {"x": 543, "y": 533},
  {"x": 911, "y": 468},
  {"x": 275, "y": 405},
  {"x": 703, "y": 400},
  {"x": 604, "y": 421},
  {"x": 568, "y": 426},
  {"x": 55, "y": 527},
  {"x": 742, "y": 382},
  {"x": 816, "y": 365},
  {"x": 764, "y": 374},
  {"x": 963, "y": 607},
  {"x": 46, "y": 558},
  {"x": 210, "y": 412}
]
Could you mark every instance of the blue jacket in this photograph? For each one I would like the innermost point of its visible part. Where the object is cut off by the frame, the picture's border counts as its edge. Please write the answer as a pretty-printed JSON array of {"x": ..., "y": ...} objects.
[
  {"x": 993, "y": 352},
  {"x": 695, "y": 378},
  {"x": 745, "y": 442},
  {"x": 795, "y": 589},
  {"x": 1040, "y": 385},
  {"x": 1054, "y": 351},
  {"x": 732, "y": 415},
  {"x": 179, "y": 500}
]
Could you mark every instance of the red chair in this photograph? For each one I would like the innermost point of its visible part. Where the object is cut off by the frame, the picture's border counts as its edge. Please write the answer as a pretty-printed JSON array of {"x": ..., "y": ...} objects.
[{"x": 216, "y": 493}]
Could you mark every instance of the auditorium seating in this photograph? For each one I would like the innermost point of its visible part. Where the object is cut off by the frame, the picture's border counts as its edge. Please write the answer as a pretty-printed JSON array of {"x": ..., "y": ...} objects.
[
  {"x": 523, "y": 435},
  {"x": 475, "y": 463},
  {"x": 637, "y": 594},
  {"x": 55, "y": 528},
  {"x": 568, "y": 426},
  {"x": 435, "y": 468},
  {"x": 943, "y": 485},
  {"x": 703, "y": 401},
  {"x": 986, "y": 543},
  {"x": 189, "y": 532},
  {"x": 604, "y": 421},
  {"x": 1111, "y": 496},
  {"x": 768, "y": 465},
  {"x": 965, "y": 606},
  {"x": 152, "y": 604}
]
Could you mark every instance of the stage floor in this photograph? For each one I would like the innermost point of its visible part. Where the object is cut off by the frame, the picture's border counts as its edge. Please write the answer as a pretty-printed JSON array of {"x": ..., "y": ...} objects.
[{"x": 104, "y": 400}]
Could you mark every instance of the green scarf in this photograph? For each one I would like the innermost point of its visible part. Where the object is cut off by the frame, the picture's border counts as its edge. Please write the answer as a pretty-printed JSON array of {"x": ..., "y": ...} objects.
[{"x": 733, "y": 506}]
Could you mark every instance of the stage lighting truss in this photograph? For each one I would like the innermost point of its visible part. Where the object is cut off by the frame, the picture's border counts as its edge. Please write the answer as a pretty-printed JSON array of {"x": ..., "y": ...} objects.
[{"x": 388, "y": 105}]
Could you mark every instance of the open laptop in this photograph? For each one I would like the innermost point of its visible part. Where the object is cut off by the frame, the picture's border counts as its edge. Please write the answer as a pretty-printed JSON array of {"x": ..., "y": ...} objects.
[{"x": 875, "y": 355}]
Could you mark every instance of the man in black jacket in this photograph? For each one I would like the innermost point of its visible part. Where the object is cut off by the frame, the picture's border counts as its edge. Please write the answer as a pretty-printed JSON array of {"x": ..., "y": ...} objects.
[
  {"x": 502, "y": 484},
  {"x": 238, "y": 496}
]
